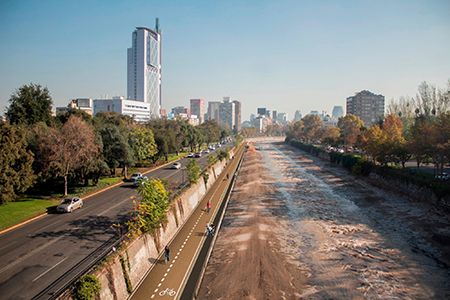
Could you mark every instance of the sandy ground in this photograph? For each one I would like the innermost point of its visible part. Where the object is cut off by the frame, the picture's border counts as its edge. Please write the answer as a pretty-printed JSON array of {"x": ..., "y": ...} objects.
[{"x": 298, "y": 228}]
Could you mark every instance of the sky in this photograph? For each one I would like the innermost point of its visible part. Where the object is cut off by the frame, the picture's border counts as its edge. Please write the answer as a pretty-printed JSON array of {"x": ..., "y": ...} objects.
[{"x": 283, "y": 55}]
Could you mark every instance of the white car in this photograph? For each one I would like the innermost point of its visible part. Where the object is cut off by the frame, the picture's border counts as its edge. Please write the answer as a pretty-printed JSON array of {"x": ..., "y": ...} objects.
[
  {"x": 206, "y": 151},
  {"x": 175, "y": 165},
  {"x": 135, "y": 176},
  {"x": 190, "y": 155},
  {"x": 140, "y": 180},
  {"x": 69, "y": 204}
]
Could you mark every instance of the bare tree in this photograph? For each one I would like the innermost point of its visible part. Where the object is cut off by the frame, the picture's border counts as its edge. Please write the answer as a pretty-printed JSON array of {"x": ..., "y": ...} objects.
[{"x": 70, "y": 147}]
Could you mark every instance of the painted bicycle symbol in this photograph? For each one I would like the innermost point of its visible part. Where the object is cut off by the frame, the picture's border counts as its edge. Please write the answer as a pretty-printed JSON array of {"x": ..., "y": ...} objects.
[{"x": 168, "y": 292}]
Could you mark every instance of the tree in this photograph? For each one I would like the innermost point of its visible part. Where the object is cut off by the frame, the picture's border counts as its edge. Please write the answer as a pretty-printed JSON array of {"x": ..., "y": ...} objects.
[
  {"x": 142, "y": 142},
  {"x": 372, "y": 142},
  {"x": 152, "y": 209},
  {"x": 331, "y": 135},
  {"x": 211, "y": 131},
  {"x": 116, "y": 149},
  {"x": 87, "y": 288},
  {"x": 312, "y": 125},
  {"x": 393, "y": 139},
  {"x": 441, "y": 141},
  {"x": 193, "y": 170},
  {"x": 16, "y": 173},
  {"x": 350, "y": 126},
  {"x": 69, "y": 148},
  {"x": 30, "y": 104},
  {"x": 420, "y": 139}
]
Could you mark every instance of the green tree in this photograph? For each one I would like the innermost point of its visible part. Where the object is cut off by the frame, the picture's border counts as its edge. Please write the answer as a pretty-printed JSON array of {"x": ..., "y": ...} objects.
[
  {"x": 116, "y": 149},
  {"x": 16, "y": 173},
  {"x": 87, "y": 288},
  {"x": 142, "y": 142},
  {"x": 193, "y": 171},
  {"x": 30, "y": 104},
  {"x": 152, "y": 209},
  {"x": 331, "y": 135}
]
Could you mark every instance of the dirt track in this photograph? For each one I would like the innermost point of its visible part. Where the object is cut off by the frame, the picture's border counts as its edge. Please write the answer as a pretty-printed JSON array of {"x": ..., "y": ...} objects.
[{"x": 297, "y": 228}]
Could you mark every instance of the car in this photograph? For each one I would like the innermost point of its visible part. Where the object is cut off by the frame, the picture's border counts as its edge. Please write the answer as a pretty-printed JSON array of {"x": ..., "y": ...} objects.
[
  {"x": 190, "y": 155},
  {"x": 140, "y": 180},
  {"x": 206, "y": 151},
  {"x": 175, "y": 165},
  {"x": 219, "y": 145},
  {"x": 135, "y": 176},
  {"x": 443, "y": 176},
  {"x": 212, "y": 148},
  {"x": 69, "y": 204},
  {"x": 197, "y": 155}
]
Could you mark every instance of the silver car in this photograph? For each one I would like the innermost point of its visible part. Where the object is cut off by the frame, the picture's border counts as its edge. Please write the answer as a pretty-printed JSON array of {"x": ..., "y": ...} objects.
[
  {"x": 69, "y": 205},
  {"x": 175, "y": 165}
]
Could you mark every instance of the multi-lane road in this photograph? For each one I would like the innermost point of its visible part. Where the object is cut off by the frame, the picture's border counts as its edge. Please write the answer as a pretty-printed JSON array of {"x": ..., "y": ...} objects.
[{"x": 36, "y": 254}]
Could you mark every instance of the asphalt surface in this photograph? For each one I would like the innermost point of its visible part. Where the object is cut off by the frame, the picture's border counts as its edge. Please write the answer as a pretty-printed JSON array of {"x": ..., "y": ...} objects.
[
  {"x": 36, "y": 254},
  {"x": 188, "y": 248}
]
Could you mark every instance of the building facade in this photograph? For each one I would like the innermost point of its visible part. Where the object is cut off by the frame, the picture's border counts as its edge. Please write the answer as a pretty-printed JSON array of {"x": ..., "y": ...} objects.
[
  {"x": 138, "y": 110},
  {"x": 227, "y": 114},
  {"x": 198, "y": 109},
  {"x": 144, "y": 68},
  {"x": 213, "y": 110},
  {"x": 84, "y": 104},
  {"x": 338, "y": 111},
  {"x": 297, "y": 116},
  {"x": 237, "y": 115},
  {"x": 368, "y": 106}
]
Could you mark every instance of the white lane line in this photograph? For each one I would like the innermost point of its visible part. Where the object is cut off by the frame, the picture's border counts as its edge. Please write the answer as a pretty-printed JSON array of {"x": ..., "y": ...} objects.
[
  {"x": 162, "y": 279},
  {"x": 49, "y": 270},
  {"x": 176, "y": 257},
  {"x": 21, "y": 259},
  {"x": 168, "y": 270},
  {"x": 114, "y": 206},
  {"x": 153, "y": 296},
  {"x": 155, "y": 291},
  {"x": 159, "y": 284},
  {"x": 165, "y": 275},
  {"x": 171, "y": 265}
]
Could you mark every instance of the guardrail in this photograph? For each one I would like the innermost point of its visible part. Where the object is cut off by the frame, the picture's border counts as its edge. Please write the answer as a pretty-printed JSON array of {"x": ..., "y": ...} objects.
[{"x": 68, "y": 279}]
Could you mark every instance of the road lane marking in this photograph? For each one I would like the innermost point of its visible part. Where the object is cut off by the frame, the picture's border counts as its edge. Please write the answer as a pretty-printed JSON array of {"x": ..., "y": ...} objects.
[
  {"x": 153, "y": 296},
  {"x": 21, "y": 259},
  {"x": 49, "y": 270},
  {"x": 162, "y": 279},
  {"x": 155, "y": 291},
  {"x": 165, "y": 275},
  {"x": 117, "y": 204},
  {"x": 159, "y": 284}
]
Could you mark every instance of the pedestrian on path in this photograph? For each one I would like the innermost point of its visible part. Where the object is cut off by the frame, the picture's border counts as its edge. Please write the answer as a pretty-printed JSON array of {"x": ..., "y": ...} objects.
[
  {"x": 208, "y": 206},
  {"x": 166, "y": 254}
]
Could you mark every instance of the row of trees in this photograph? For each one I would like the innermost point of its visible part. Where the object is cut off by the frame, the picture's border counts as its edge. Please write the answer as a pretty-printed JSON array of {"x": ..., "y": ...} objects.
[
  {"x": 40, "y": 149},
  {"x": 418, "y": 128}
]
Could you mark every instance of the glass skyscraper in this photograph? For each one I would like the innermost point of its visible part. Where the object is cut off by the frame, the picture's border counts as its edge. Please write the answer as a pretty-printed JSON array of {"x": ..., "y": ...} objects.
[{"x": 144, "y": 68}]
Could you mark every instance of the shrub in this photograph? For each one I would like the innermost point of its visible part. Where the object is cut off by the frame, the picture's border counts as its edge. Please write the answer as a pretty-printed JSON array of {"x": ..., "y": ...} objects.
[
  {"x": 87, "y": 288},
  {"x": 193, "y": 170}
]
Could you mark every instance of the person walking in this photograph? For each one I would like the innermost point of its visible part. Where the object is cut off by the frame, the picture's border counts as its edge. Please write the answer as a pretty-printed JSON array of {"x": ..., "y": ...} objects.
[
  {"x": 166, "y": 254},
  {"x": 208, "y": 206}
]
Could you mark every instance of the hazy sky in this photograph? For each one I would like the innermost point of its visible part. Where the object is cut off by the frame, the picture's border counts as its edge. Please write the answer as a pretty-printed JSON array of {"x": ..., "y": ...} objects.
[{"x": 283, "y": 55}]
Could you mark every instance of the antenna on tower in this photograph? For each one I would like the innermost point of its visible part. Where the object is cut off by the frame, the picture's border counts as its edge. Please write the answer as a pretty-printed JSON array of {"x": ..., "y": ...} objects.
[{"x": 157, "y": 25}]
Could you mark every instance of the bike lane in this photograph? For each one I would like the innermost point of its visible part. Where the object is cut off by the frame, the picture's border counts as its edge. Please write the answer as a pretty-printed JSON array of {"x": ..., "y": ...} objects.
[{"x": 167, "y": 279}]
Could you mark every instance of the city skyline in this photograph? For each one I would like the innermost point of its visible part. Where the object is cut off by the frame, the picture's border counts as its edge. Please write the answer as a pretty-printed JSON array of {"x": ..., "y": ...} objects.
[{"x": 313, "y": 65}]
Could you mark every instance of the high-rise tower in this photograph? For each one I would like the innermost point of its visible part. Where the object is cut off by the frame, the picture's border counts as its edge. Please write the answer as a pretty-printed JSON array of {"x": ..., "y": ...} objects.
[{"x": 144, "y": 68}]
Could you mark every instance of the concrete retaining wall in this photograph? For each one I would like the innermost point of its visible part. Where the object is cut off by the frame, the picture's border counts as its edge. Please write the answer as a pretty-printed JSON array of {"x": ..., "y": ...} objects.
[{"x": 131, "y": 264}]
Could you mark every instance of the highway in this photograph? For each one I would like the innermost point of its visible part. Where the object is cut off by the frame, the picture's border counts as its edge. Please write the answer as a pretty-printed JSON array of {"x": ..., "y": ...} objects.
[{"x": 36, "y": 254}]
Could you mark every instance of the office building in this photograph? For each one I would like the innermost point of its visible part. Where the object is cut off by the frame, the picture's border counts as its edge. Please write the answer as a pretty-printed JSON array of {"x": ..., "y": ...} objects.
[
  {"x": 144, "y": 68},
  {"x": 84, "y": 104},
  {"x": 227, "y": 116},
  {"x": 138, "y": 110},
  {"x": 261, "y": 111},
  {"x": 282, "y": 118},
  {"x": 178, "y": 110},
  {"x": 368, "y": 106},
  {"x": 338, "y": 111},
  {"x": 198, "y": 109},
  {"x": 274, "y": 115},
  {"x": 297, "y": 116},
  {"x": 237, "y": 115},
  {"x": 213, "y": 110}
]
